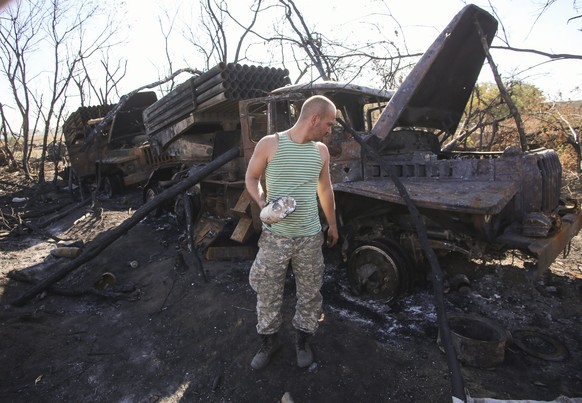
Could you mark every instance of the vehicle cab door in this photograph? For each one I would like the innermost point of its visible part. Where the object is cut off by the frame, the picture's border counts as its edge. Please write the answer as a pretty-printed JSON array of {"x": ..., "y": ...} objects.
[{"x": 262, "y": 116}]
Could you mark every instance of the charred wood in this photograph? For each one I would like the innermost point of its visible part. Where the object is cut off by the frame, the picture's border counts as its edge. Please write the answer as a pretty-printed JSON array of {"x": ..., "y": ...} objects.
[
  {"x": 105, "y": 239},
  {"x": 40, "y": 231},
  {"x": 55, "y": 217},
  {"x": 127, "y": 291},
  {"x": 45, "y": 211}
]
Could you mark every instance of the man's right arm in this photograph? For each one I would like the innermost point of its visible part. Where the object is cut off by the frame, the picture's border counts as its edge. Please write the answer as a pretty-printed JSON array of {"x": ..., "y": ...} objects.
[{"x": 256, "y": 169}]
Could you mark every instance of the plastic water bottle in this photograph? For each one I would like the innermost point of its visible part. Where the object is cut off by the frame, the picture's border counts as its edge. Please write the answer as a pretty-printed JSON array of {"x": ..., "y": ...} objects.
[{"x": 278, "y": 209}]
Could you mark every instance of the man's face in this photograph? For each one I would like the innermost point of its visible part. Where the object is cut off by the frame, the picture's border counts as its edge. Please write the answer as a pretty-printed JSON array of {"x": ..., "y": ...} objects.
[{"x": 323, "y": 126}]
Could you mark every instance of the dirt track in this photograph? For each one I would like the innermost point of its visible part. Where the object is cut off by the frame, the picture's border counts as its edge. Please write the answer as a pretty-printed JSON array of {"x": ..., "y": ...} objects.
[{"x": 163, "y": 334}]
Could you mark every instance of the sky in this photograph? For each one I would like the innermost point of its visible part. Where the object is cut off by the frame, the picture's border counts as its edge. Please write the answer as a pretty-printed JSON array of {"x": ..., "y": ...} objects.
[
  {"x": 420, "y": 22},
  {"x": 411, "y": 23}
]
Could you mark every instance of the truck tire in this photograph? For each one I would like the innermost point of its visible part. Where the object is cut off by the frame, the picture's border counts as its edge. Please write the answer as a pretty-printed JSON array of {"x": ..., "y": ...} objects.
[
  {"x": 150, "y": 192},
  {"x": 379, "y": 269},
  {"x": 112, "y": 185},
  {"x": 180, "y": 212}
]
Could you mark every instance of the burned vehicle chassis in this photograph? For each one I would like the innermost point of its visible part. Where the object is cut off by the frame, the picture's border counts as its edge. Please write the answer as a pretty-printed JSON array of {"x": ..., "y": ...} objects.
[
  {"x": 482, "y": 205},
  {"x": 476, "y": 203}
]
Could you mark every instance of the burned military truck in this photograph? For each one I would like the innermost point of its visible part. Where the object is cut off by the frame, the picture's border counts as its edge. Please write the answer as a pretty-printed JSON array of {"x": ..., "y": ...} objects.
[
  {"x": 470, "y": 202},
  {"x": 116, "y": 157},
  {"x": 195, "y": 123},
  {"x": 195, "y": 129}
]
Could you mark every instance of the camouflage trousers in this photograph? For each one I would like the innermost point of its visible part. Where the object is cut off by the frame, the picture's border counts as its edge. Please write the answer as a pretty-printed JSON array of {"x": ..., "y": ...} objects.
[{"x": 267, "y": 278}]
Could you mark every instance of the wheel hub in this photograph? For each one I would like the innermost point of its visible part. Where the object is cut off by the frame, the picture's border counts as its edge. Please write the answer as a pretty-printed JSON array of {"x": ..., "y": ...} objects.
[{"x": 373, "y": 270}]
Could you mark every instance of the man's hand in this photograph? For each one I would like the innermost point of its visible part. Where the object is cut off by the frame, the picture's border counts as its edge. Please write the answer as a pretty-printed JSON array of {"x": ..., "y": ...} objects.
[{"x": 332, "y": 235}]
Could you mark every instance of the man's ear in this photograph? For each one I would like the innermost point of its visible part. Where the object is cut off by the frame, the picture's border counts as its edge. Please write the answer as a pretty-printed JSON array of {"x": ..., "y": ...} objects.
[{"x": 314, "y": 120}]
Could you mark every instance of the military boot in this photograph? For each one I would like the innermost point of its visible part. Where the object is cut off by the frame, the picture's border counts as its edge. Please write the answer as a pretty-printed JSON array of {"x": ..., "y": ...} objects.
[
  {"x": 304, "y": 353},
  {"x": 269, "y": 346}
]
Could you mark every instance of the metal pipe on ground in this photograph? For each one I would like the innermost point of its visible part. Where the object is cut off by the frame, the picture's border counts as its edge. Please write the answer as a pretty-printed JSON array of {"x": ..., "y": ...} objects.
[
  {"x": 243, "y": 76},
  {"x": 269, "y": 72},
  {"x": 457, "y": 381}
]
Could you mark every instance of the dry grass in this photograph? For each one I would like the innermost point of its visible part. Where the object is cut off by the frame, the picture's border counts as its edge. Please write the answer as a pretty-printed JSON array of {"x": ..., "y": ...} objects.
[{"x": 572, "y": 185}]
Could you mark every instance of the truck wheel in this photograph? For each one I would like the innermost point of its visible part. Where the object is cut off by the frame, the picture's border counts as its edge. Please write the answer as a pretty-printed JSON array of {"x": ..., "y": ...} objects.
[
  {"x": 149, "y": 194},
  {"x": 379, "y": 270},
  {"x": 180, "y": 210},
  {"x": 74, "y": 182},
  {"x": 112, "y": 185},
  {"x": 539, "y": 345}
]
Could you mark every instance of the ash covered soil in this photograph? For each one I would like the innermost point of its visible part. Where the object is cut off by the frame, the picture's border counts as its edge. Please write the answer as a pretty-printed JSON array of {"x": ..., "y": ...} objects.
[{"x": 162, "y": 333}]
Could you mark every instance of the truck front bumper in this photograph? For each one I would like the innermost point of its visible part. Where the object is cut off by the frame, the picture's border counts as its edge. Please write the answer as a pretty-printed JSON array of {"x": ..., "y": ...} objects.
[{"x": 545, "y": 250}]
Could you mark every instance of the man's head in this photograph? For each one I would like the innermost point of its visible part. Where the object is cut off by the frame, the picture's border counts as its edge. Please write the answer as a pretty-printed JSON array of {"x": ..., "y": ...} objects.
[{"x": 318, "y": 116}]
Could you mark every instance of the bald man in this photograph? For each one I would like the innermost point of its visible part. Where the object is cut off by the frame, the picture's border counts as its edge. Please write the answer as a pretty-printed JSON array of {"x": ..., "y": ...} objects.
[{"x": 294, "y": 163}]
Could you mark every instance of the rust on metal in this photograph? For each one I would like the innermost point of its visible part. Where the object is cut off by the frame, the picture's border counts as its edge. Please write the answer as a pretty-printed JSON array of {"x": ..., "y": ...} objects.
[
  {"x": 435, "y": 92},
  {"x": 472, "y": 197},
  {"x": 119, "y": 150}
]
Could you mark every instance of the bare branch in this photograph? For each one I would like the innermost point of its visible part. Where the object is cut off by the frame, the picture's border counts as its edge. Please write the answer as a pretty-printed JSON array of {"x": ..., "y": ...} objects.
[
  {"x": 6, "y": 130},
  {"x": 219, "y": 34},
  {"x": 62, "y": 31},
  {"x": 554, "y": 56},
  {"x": 512, "y": 108},
  {"x": 311, "y": 45},
  {"x": 166, "y": 33},
  {"x": 247, "y": 29}
]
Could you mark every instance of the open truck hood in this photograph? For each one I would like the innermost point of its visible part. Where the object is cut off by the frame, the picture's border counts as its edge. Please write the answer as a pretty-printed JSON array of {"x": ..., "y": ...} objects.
[{"x": 437, "y": 89}]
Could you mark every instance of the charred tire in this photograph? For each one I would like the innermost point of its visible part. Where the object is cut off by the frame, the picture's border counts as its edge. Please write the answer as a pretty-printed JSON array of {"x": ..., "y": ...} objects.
[
  {"x": 150, "y": 193},
  {"x": 379, "y": 269},
  {"x": 112, "y": 185},
  {"x": 539, "y": 345},
  {"x": 75, "y": 183},
  {"x": 180, "y": 211}
]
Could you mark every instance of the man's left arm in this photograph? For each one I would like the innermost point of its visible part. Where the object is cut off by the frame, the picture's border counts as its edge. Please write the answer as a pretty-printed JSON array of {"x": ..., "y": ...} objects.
[{"x": 326, "y": 197}]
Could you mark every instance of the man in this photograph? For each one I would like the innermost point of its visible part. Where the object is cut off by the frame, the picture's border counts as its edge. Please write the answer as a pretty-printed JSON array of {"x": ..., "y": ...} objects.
[{"x": 294, "y": 163}]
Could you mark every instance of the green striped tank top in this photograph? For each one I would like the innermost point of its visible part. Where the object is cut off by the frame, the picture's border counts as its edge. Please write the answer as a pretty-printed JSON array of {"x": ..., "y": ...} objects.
[{"x": 294, "y": 171}]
